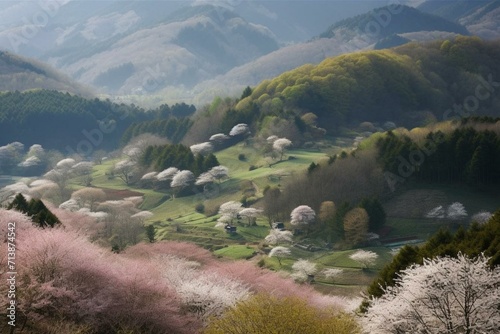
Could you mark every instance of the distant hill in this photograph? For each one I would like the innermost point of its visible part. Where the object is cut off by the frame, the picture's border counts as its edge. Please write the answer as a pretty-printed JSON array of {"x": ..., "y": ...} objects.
[
  {"x": 411, "y": 85},
  {"x": 394, "y": 20},
  {"x": 481, "y": 18},
  {"x": 193, "y": 44},
  {"x": 20, "y": 73},
  {"x": 349, "y": 35}
]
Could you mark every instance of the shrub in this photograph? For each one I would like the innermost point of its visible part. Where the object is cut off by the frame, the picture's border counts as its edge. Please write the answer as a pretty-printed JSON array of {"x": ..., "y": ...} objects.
[
  {"x": 242, "y": 157},
  {"x": 269, "y": 314},
  {"x": 252, "y": 167},
  {"x": 200, "y": 208}
]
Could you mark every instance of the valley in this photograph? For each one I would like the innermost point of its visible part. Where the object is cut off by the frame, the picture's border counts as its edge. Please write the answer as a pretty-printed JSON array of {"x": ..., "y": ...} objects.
[{"x": 249, "y": 166}]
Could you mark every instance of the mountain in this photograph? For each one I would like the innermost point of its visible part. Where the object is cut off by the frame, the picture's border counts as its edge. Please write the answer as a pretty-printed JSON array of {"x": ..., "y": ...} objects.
[
  {"x": 403, "y": 24},
  {"x": 411, "y": 85},
  {"x": 481, "y": 18},
  {"x": 20, "y": 73},
  {"x": 195, "y": 44},
  {"x": 140, "y": 47}
]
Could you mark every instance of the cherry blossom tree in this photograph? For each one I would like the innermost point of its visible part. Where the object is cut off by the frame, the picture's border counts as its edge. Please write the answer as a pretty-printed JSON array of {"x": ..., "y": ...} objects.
[
  {"x": 280, "y": 252},
  {"x": 215, "y": 174},
  {"x": 303, "y": 270},
  {"x": 202, "y": 148},
  {"x": 229, "y": 211},
  {"x": 167, "y": 174},
  {"x": 182, "y": 179},
  {"x": 239, "y": 130},
  {"x": 251, "y": 214},
  {"x": 89, "y": 197},
  {"x": 456, "y": 211},
  {"x": 302, "y": 215},
  {"x": 125, "y": 170},
  {"x": 443, "y": 295},
  {"x": 280, "y": 145},
  {"x": 277, "y": 237},
  {"x": 482, "y": 217},
  {"x": 218, "y": 138},
  {"x": 366, "y": 258},
  {"x": 437, "y": 212}
]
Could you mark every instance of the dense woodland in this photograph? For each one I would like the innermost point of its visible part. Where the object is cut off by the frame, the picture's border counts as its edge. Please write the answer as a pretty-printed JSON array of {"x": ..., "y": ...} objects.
[
  {"x": 466, "y": 155},
  {"x": 411, "y": 85}
]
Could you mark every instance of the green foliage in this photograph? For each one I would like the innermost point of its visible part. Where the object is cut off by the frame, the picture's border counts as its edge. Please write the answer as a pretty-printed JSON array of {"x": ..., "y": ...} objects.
[
  {"x": 269, "y": 314},
  {"x": 36, "y": 210},
  {"x": 246, "y": 92},
  {"x": 29, "y": 116},
  {"x": 378, "y": 86},
  {"x": 465, "y": 155},
  {"x": 179, "y": 156},
  {"x": 150, "y": 232},
  {"x": 170, "y": 128}
]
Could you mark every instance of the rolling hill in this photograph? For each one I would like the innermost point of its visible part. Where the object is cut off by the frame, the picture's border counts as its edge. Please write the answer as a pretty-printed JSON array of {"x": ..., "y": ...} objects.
[
  {"x": 412, "y": 85},
  {"x": 20, "y": 73}
]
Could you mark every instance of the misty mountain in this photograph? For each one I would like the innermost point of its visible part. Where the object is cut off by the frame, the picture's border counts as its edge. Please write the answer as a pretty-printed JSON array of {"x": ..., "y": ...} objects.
[
  {"x": 140, "y": 47},
  {"x": 20, "y": 73},
  {"x": 481, "y": 18},
  {"x": 391, "y": 26}
]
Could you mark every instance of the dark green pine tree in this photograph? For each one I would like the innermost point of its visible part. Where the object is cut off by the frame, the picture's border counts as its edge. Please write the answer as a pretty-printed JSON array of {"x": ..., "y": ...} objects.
[
  {"x": 20, "y": 204},
  {"x": 209, "y": 162},
  {"x": 40, "y": 215},
  {"x": 246, "y": 92}
]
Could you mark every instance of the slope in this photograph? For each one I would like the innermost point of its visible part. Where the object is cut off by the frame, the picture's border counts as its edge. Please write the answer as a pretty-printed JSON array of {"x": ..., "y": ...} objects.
[
  {"x": 20, "y": 73},
  {"x": 411, "y": 85}
]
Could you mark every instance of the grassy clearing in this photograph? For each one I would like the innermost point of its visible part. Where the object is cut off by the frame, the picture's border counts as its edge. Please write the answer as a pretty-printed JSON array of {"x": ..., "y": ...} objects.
[{"x": 237, "y": 252}]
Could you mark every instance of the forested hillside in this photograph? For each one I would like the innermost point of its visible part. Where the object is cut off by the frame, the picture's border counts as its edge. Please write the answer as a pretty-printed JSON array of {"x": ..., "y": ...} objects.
[
  {"x": 19, "y": 73},
  {"x": 71, "y": 123},
  {"x": 411, "y": 85}
]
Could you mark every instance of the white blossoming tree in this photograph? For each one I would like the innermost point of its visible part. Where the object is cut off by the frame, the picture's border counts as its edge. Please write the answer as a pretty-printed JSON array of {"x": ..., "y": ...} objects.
[
  {"x": 456, "y": 211},
  {"x": 181, "y": 180},
  {"x": 277, "y": 237},
  {"x": 366, "y": 258},
  {"x": 444, "y": 295},
  {"x": 280, "y": 145},
  {"x": 125, "y": 170},
  {"x": 239, "y": 130},
  {"x": 228, "y": 212},
  {"x": 280, "y": 252},
  {"x": 303, "y": 270},
  {"x": 202, "y": 148},
  {"x": 302, "y": 216}
]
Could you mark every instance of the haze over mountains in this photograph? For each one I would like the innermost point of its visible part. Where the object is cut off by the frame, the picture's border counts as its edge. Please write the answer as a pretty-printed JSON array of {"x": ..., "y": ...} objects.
[{"x": 193, "y": 50}]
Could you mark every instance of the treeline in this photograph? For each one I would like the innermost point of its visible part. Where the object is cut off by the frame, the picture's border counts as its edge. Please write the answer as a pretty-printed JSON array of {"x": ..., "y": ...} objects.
[
  {"x": 465, "y": 155},
  {"x": 179, "y": 156},
  {"x": 70, "y": 123},
  {"x": 59, "y": 121},
  {"x": 475, "y": 240},
  {"x": 173, "y": 129}
]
